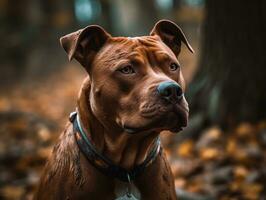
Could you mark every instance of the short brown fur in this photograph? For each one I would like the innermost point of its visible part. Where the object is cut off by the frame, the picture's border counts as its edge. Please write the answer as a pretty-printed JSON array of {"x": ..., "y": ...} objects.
[{"x": 108, "y": 102}]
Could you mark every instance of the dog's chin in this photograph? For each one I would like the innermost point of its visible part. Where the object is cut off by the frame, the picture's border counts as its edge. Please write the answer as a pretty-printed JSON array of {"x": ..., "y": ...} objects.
[{"x": 174, "y": 120}]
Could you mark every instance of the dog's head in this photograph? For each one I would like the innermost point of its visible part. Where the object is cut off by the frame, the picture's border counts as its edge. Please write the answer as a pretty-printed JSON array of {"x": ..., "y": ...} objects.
[{"x": 136, "y": 83}]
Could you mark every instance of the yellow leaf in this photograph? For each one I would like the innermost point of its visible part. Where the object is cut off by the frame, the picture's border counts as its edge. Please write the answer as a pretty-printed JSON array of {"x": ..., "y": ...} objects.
[{"x": 186, "y": 149}]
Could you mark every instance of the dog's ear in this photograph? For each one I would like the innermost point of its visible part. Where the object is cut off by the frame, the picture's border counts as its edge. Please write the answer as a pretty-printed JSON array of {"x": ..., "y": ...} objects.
[
  {"x": 171, "y": 35},
  {"x": 84, "y": 43}
]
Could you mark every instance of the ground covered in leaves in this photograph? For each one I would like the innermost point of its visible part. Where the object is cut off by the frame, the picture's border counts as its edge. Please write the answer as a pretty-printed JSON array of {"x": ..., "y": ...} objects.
[
  {"x": 214, "y": 165},
  {"x": 221, "y": 165}
]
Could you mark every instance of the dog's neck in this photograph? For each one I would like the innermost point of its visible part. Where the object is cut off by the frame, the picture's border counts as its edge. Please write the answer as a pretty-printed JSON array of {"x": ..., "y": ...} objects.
[{"x": 121, "y": 148}]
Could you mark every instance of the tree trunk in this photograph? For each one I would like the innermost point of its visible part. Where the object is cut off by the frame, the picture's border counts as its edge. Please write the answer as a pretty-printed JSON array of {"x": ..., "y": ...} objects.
[{"x": 229, "y": 85}]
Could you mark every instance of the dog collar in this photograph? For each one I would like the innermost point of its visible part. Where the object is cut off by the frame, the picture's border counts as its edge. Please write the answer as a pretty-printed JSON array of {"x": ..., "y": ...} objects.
[{"x": 104, "y": 164}]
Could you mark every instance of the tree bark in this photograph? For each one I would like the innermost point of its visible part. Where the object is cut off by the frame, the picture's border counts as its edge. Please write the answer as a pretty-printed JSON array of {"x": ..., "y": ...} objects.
[{"x": 229, "y": 86}]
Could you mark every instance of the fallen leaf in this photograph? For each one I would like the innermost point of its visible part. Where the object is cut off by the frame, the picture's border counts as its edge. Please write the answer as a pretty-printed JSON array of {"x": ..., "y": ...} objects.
[{"x": 186, "y": 149}]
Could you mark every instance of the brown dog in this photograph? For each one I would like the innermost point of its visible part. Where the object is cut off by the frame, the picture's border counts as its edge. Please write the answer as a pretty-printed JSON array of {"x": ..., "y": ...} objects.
[{"x": 133, "y": 92}]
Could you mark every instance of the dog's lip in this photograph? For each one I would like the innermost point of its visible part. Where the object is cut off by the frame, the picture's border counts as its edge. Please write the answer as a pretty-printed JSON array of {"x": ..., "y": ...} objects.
[
  {"x": 141, "y": 129},
  {"x": 132, "y": 130},
  {"x": 182, "y": 123},
  {"x": 180, "y": 108},
  {"x": 177, "y": 109}
]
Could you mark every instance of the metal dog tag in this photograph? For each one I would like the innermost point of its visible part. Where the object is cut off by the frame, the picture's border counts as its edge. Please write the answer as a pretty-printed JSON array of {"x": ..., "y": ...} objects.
[
  {"x": 127, "y": 197},
  {"x": 126, "y": 192}
]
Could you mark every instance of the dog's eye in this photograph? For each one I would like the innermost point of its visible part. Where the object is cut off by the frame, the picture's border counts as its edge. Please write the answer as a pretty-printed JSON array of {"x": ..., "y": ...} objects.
[
  {"x": 174, "y": 66},
  {"x": 127, "y": 70}
]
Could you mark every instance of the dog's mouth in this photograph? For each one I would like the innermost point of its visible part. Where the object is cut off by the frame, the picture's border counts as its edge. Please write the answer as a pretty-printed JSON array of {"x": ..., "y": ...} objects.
[
  {"x": 133, "y": 130},
  {"x": 173, "y": 118}
]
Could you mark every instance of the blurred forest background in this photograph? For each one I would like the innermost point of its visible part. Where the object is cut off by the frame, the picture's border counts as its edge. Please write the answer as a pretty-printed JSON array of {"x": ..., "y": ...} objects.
[{"x": 220, "y": 155}]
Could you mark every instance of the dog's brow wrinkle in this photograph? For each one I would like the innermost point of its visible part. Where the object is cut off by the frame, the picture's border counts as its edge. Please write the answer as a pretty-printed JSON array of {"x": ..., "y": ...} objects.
[
  {"x": 148, "y": 41},
  {"x": 117, "y": 51},
  {"x": 130, "y": 49},
  {"x": 161, "y": 55},
  {"x": 138, "y": 60},
  {"x": 119, "y": 39}
]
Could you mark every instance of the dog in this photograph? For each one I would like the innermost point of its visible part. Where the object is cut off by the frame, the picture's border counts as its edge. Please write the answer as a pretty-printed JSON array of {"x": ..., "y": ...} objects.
[{"x": 111, "y": 149}]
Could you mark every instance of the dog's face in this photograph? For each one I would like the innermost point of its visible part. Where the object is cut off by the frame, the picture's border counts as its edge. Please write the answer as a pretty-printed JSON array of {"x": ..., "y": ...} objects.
[{"x": 136, "y": 83}]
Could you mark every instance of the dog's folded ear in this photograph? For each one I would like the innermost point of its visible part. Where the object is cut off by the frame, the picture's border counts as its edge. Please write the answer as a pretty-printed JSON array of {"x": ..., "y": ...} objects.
[
  {"x": 84, "y": 43},
  {"x": 171, "y": 35}
]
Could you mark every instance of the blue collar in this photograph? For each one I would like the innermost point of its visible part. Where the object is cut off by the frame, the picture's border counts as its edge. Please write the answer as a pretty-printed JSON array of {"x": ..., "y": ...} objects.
[{"x": 104, "y": 164}]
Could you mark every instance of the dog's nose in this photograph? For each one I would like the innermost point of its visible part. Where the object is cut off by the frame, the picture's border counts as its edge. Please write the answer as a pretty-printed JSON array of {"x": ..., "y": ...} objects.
[{"x": 170, "y": 91}]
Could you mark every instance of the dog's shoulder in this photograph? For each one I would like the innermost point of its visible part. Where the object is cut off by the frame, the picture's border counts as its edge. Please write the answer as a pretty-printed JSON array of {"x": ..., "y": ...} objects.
[{"x": 63, "y": 166}]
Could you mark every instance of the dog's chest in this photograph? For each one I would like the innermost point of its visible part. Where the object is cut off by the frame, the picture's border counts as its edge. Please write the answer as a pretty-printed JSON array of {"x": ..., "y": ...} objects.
[{"x": 126, "y": 191}]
